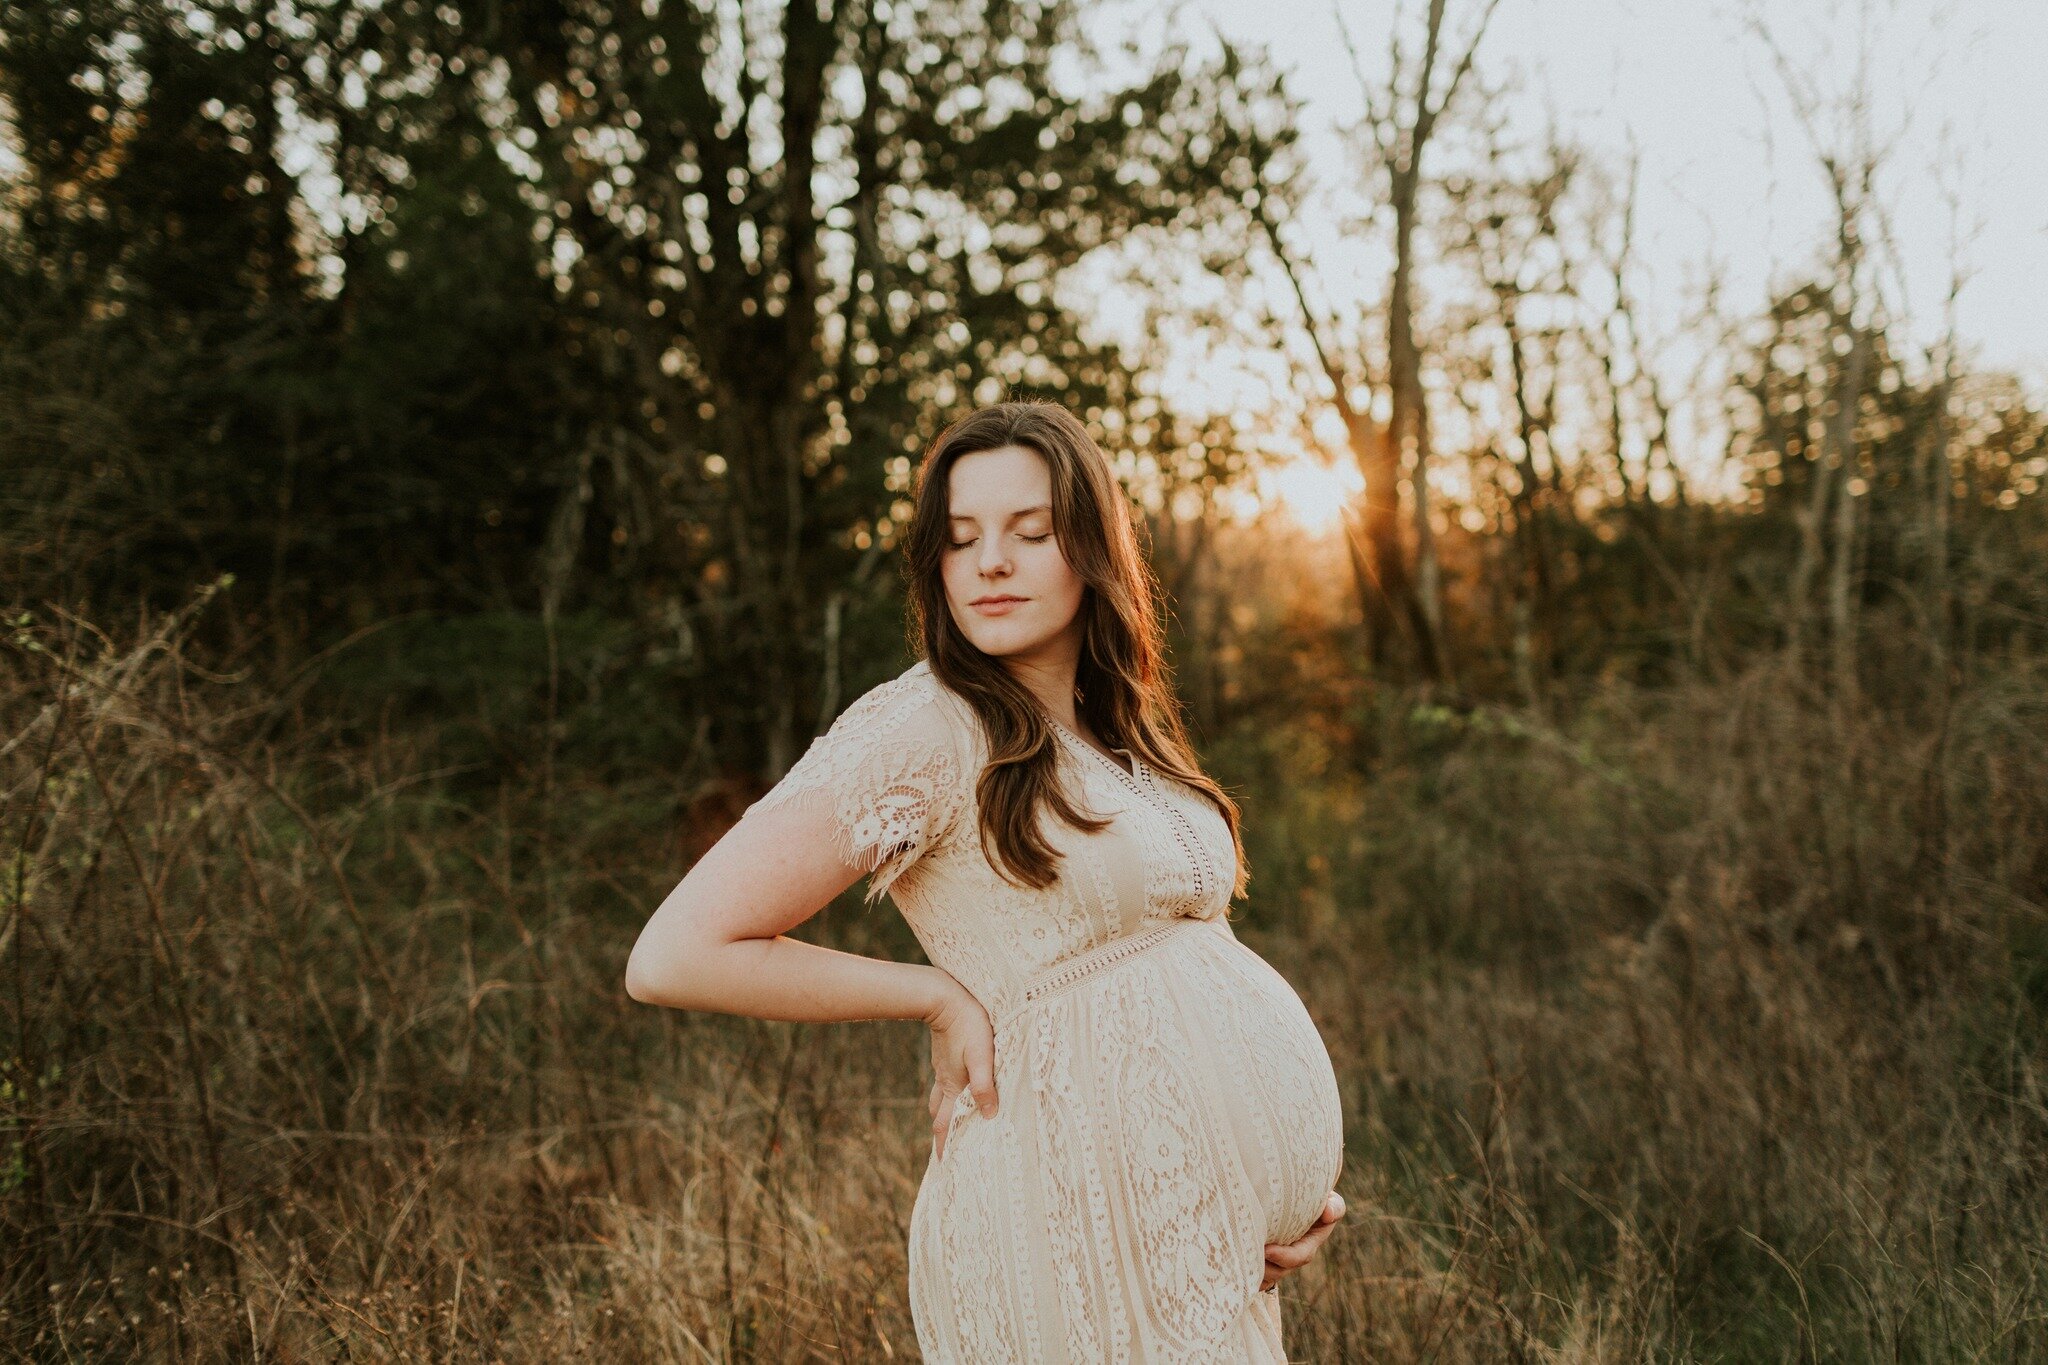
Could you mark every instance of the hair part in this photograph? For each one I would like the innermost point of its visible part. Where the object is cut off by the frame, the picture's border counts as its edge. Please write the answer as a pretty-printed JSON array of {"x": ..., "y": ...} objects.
[{"x": 1123, "y": 684}]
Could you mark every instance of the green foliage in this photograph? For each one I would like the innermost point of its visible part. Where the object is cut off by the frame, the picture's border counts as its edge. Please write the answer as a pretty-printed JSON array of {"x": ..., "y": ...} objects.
[
  {"x": 486, "y": 684},
  {"x": 496, "y": 349}
]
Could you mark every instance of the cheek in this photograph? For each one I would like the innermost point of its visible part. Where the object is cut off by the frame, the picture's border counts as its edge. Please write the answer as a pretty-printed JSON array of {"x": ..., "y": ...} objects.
[
  {"x": 1058, "y": 578},
  {"x": 958, "y": 576}
]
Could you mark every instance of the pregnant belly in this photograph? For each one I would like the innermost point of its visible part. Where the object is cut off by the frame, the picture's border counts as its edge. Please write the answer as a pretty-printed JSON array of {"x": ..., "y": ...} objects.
[
  {"x": 1277, "y": 1088},
  {"x": 1191, "y": 1078},
  {"x": 1166, "y": 1109}
]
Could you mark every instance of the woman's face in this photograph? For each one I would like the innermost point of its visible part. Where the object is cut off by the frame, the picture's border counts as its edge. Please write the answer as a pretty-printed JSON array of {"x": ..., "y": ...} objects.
[{"x": 1007, "y": 582}]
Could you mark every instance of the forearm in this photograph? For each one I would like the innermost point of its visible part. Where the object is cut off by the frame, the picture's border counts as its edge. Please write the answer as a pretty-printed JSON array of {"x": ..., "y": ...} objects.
[{"x": 786, "y": 978}]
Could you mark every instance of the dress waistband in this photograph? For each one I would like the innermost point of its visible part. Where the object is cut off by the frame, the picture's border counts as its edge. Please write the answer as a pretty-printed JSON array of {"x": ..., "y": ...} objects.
[{"x": 1071, "y": 971}]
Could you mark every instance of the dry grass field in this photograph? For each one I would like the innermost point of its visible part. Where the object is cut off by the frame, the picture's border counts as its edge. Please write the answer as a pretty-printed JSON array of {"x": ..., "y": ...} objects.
[{"x": 1707, "y": 1027}]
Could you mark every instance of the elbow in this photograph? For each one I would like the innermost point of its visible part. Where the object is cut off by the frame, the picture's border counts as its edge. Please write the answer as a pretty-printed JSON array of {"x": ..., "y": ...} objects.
[
  {"x": 636, "y": 982},
  {"x": 643, "y": 983},
  {"x": 670, "y": 974}
]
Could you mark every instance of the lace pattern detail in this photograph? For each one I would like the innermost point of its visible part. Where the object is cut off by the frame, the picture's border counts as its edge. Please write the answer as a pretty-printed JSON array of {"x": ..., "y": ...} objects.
[
  {"x": 888, "y": 774},
  {"x": 1188, "y": 1234},
  {"x": 1299, "y": 1100},
  {"x": 1070, "y": 972},
  {"x": 1190, "y": 859}
]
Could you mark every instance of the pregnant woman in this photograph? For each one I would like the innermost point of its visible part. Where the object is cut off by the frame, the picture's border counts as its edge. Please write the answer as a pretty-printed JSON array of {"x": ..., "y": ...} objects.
[{"x": 1135, "y": 1125}]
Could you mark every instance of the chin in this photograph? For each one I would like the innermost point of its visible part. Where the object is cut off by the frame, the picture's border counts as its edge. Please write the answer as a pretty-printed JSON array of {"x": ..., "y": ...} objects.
[
  {"x": 1001, "y": 646},
  {"x": 1011, "y": 649},
  {"x": 995, "y": 649}
]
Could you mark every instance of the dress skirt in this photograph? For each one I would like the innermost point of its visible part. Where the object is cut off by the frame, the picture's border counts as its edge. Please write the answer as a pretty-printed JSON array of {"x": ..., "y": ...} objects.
[{"x": 1166, "y": 1108}]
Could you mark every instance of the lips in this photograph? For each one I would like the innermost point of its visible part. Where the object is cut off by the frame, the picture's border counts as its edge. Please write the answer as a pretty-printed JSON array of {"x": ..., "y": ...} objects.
[{"x": 997, "y": 606}]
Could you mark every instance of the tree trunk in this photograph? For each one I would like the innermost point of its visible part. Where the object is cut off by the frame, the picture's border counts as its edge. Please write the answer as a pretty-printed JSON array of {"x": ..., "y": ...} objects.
[
  {"x": 1405, "y": 432},
  {"x": 1807, "y": 563},
  {"x": 1386, "y": 578},
  {"x": 1940, "y": 488},
  {"x": 1842, "y": 597},
  {"x": 1531, "y": 532}
]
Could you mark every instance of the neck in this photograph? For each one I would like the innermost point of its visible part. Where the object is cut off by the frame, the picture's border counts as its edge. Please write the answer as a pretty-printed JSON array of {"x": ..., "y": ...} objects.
[{"x": 1049, "y": 674}]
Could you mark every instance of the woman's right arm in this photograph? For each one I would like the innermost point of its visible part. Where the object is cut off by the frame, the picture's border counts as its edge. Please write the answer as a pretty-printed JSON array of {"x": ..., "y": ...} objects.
[
  {"x": 717, "y": 941},
  {"x": 875, "y": 794}
]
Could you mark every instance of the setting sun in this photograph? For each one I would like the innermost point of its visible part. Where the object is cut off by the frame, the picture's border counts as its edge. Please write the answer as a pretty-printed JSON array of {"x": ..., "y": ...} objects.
[{"x": 1312, "y": 494}]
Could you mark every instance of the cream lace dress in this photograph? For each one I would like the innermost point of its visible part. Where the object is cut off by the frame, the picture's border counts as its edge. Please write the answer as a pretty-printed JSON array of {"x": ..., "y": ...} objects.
[{"x": 1165, "y": 1104}]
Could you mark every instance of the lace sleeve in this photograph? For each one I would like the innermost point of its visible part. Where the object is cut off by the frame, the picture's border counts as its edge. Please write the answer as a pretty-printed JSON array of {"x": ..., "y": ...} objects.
[{"x": 886, "y": 778}]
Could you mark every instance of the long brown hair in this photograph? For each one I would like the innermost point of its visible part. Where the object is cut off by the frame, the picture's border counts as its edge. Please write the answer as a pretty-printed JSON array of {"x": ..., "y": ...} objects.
[{"x": 1124, "y": 689}]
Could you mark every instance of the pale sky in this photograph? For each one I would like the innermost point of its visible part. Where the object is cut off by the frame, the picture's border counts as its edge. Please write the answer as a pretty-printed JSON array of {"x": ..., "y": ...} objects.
[
  {"x": 1727, "y": 174},
  {"x": 1698, "y": 96}
]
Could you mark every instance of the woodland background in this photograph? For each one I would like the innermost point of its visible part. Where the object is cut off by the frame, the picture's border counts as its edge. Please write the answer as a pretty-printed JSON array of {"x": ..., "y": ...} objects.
[{"x": 451, "y": 459}]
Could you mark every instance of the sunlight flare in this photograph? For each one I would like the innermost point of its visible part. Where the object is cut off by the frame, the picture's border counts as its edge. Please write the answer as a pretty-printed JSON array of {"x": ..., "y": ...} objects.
[{"x": 1313, "y": 494}]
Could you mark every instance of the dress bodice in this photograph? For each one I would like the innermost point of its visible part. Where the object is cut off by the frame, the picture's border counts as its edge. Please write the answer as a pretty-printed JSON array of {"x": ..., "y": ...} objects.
[{"x": 897, "y": 773}]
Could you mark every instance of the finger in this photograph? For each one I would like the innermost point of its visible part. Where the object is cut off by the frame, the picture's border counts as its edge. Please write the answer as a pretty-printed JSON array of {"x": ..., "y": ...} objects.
[
  {"x": 1333, "y": 1207},
  {"x": 1287, "y": 1256},
  {"x": 1312, "y": 1242},
  {"x": 943, "y": 1119},
  {"x": 981, "y": 1080},
  {"x": 1296, "y": 1254}
]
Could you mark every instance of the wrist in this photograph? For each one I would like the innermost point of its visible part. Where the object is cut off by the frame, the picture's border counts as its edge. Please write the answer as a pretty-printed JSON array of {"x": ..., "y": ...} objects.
[{"x": 940, "y": 990}]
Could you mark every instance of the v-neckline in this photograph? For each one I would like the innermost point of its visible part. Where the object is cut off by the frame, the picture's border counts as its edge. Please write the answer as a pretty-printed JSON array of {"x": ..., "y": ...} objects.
[
  {"x": 1129, "y": 774},
  {"x": 1148, "y": 790},
  {"x": 1159, "y": 797}
]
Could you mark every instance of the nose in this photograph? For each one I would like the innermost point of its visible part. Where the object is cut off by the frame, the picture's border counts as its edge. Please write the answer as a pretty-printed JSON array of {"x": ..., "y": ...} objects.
[{"x": 994, "y": 560}]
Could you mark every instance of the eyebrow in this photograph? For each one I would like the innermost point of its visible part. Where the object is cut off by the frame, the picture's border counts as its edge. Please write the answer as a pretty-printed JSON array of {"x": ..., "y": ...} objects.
[{"x": 1014, "y": 516}]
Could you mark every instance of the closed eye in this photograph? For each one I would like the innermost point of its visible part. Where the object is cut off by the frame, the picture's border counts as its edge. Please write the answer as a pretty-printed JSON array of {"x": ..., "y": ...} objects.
[{"x": 1035, "y": 540}]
